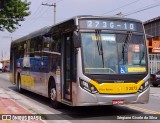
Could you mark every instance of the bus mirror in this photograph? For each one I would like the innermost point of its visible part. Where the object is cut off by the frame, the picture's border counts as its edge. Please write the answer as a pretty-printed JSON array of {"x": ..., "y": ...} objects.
[{"x": 76, "y": 39}]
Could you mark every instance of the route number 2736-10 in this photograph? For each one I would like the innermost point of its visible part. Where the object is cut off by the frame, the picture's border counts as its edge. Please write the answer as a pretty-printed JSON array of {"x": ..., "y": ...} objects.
[{"x": 110, "y": 25}]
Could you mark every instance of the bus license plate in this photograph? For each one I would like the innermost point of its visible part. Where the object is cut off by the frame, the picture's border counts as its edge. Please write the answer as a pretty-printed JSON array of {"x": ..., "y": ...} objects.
[{"x": 114, "y": 102}]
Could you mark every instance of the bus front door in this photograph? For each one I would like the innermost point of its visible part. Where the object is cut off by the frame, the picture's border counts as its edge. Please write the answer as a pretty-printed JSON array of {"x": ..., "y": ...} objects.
[{"x": 67, "y": 66}]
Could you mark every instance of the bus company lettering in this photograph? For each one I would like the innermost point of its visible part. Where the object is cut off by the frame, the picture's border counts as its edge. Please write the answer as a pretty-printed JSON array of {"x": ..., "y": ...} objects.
[
  {"x": 25, "y": 117},
  {"x": 118, "y": 81},
  {"x": 109, "y": 89}
]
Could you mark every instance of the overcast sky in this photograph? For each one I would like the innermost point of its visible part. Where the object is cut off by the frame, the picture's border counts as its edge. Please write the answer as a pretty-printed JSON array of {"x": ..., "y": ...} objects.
[{"x": 42, "y": 16}]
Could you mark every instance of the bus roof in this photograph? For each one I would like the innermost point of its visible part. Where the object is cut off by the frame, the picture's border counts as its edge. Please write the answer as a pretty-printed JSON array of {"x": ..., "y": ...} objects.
[
  {"x": 106, "y": 17},
  {"x": 41, "y": 31}
]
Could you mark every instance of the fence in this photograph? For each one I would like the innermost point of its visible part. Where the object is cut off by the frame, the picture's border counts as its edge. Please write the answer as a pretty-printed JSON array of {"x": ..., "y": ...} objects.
[{"x": 154, "y": 62}]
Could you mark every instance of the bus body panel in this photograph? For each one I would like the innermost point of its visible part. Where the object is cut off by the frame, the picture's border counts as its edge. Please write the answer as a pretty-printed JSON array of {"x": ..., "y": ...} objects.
[
  {"x": 35, "y": 82},
  {"x": 38, "y": 83},
  {"x": 84, "y": 98}
]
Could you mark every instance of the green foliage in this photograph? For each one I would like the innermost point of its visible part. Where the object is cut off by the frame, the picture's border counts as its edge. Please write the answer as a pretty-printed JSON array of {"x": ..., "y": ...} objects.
[{"x": 12, "y": 12}]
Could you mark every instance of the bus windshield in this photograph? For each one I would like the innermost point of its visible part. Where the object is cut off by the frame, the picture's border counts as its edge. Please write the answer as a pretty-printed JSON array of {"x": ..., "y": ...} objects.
[{"x": 113, "y": 53}]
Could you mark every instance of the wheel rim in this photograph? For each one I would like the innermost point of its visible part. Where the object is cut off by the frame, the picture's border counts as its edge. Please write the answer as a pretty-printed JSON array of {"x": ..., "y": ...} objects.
[{"x": 53, "y": 94}]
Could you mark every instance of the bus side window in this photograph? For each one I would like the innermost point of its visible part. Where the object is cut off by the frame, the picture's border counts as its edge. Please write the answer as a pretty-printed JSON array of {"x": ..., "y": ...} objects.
[
  {"x": 56, "y": 45},
  {"x": 44, "y": 63},
  {"x": 38, "y": 44},
  {"x": 46, "y": 43},
  {"x": 55, "y": 62},
  {"x": 39, "y": 47}
]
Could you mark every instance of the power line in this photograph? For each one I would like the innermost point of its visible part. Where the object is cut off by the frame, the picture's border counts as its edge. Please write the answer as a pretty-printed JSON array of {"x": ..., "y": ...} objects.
[
  {"x": 143, "y": 9},
  {"x": 31, "y": 20},
  {"x": 121, "y": 7},
  {"x": 36, "y": 14},
  {"x": 54, "y": 5},
  {"x": 59, "y": 1},
  {"x": 47, "y": 1}
]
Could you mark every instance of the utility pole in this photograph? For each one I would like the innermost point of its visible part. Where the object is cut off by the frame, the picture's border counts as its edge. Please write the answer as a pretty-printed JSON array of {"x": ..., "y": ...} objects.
[
  {"x": 54, "y": 12},
  {"x": 54, "y": 5}
]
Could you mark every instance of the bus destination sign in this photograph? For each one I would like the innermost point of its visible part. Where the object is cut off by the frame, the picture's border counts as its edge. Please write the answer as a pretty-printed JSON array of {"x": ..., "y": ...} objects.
[{"x": 109, "y": 24}]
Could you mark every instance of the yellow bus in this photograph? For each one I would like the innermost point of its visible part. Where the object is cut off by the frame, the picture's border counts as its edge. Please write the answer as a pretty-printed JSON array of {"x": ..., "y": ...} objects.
[{"x": 84, "y": 61}]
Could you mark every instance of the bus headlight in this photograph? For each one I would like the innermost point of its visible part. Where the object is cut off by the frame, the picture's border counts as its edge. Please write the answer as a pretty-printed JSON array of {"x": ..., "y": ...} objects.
[
  {"x": 88, "y": 87},
  {"x": 144, "y": 86}
]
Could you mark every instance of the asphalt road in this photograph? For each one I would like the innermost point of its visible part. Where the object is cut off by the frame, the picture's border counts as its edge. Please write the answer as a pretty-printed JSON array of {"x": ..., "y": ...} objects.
[{"x": 41, "y": 105}]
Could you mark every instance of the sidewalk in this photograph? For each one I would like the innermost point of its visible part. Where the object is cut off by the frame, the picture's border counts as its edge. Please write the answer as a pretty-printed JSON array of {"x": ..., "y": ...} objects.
[
  {"x": 12, "y": 112},
  {"x": 14, "y": 103}
]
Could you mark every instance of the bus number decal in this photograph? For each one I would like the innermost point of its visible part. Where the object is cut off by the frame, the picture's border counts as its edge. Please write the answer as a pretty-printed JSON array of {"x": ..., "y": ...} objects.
[
  {"x": 131, "y": 88},
  {"x": 104, "y": 24},
  {"x": 97, "y": 23},
  {"x": 111, "y": 25},
  {"x": 89, "y": 23},
  {"x": 131, "y": 26},
  {"x": 108, "y": 24},
  {"x": 125, "y": 25}
]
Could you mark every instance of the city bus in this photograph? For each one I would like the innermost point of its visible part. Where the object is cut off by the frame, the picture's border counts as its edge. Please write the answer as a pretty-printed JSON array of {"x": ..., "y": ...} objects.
[{"x": 84, "y": 61}]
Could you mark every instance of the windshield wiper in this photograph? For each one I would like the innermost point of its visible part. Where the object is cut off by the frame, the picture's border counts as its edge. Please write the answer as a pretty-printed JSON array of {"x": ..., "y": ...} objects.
[
  {"x": 99, "y": 41},
  {"x": 125, "y": 45},
  {"x": 99, "y": 44},
  {"x": 141, "y": 56},
  {"x": 140, "y": 62}
]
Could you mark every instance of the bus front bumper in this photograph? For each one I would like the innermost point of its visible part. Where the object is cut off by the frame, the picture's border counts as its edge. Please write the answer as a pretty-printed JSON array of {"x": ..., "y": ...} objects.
[{"x": 85, "y": 98}]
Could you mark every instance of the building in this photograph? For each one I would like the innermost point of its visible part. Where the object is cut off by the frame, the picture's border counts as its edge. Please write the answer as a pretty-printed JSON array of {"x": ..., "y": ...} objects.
[{"x": 152, "y": 29}]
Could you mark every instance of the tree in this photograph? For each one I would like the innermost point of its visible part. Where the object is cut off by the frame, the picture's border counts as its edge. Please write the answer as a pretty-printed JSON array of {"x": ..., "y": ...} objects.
[{"x": 12, "y": 12}]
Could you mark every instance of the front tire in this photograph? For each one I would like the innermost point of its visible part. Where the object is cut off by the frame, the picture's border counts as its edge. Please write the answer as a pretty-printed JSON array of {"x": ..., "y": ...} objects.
[{"x": 53, "y": 96}]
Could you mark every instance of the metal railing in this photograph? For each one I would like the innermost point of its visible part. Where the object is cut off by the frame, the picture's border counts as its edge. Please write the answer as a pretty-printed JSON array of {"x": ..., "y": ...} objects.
[{"x": 154, "y": 62}]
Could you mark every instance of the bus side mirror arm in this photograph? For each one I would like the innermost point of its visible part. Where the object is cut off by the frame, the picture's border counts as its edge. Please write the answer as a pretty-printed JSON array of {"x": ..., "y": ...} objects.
[{"x": 76, "y": 39}]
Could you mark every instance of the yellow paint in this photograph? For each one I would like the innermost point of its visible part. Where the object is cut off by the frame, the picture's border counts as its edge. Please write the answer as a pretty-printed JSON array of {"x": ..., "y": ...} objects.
[
  {"x": 58, "y": 73},
  {"x": 95, "y": 38},
  {"x": 117, "y": 88},
  {"x": 1, "y": 112},
  {"x": 11, "y": 77},
  {"x": 136, "y": 69},
  {"x": 27, "y": 80},
  {"x": 23, "y": 79}
]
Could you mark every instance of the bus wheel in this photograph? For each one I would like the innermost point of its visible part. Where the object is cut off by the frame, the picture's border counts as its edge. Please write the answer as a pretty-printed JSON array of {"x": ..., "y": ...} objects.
[
  {"x": 19, "y": 89},
  {"x": 53, "y": 97}
]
